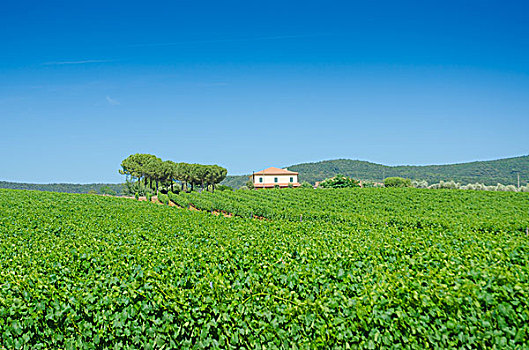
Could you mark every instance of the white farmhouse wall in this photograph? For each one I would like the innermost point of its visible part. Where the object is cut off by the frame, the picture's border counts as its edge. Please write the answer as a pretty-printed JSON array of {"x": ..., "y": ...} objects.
[{"x": 269, "y": 179}]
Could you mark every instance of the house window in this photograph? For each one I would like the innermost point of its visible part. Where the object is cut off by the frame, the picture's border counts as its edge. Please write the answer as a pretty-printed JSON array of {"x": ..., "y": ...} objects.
[
  {"x": 260, "y": 179},
  {"x": 275, "y": 179},
  {"x": 291, "y": 179}
]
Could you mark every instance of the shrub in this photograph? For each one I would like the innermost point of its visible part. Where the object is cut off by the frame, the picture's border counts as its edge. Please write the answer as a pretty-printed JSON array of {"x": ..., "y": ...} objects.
[
  {"x": 449, "y": 185},
  {"x": 397, "y": 182},
  {"x": 340, "y": 181},
  {"x": 223, "y": 188},
  {"x": 305, "y": 184},
  {"x": 131, "y": 187},
  {"x": 137, "y": 195},
  {"x": 107, "y": 190},
  {"x": 148, "y": 195},
  {"x": 419, "y": 183}
]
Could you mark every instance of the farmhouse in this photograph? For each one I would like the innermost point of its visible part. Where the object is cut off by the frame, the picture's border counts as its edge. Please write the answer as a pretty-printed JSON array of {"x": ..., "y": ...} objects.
[{"x": 272, "y": 177}]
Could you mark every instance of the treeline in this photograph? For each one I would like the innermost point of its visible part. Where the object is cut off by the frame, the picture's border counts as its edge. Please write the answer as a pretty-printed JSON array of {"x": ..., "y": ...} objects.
[
  {"x": 65, "y": 187},
  {"x": 505, "y": 171},
  {"x": 146, "y": 171}
]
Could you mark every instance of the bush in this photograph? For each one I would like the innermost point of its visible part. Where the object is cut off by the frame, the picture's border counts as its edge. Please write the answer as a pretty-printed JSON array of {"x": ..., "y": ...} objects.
[
  {"x": 449, "y": 185},
  {"x": 397, "y": 182},
  {"x": 107, "y": 190},
  {"x": 419, "y": 184},
  {"x": 137, "y": 195},
  {"x": 340, "y": 181},
  {"x": 130, "y": 188},
  {"x": 305, "y": 184},
  {"x": 223, "y": 188},
  {"x": 148, "y": 195}
]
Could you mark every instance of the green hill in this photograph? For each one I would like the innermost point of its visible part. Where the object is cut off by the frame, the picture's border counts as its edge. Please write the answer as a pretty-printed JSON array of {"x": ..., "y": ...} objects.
[
  {"x": 491, "y": 172},
  {"x": 63, "y": 187}
]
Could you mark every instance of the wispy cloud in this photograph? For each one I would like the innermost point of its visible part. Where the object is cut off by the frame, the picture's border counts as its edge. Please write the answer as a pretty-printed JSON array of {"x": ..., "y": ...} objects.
[
  {"x": 62, "y": 63},
  {"x": 112, "y": 101}
]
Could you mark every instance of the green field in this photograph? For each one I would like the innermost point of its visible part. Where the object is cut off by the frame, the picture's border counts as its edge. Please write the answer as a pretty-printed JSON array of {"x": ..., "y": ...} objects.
[{"x": 358, "y": 268}]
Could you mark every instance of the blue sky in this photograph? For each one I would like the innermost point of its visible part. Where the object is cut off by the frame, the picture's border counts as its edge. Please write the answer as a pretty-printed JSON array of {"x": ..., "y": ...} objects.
[{"x": 252, "y": 84}]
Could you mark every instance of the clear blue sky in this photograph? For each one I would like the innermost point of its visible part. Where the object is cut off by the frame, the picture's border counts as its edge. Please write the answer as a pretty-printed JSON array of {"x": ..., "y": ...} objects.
[{"x": 252, "y": 84}]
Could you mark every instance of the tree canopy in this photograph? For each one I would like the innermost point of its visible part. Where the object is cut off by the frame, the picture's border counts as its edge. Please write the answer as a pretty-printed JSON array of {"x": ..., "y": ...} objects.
[
  {"x": 340, "y": 181},
  {"x": 153, "y": 172},
  {"x": 396, "y": 181}
]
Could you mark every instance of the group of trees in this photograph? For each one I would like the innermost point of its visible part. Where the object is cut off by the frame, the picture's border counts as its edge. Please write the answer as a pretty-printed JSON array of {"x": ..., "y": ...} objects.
[
  {"x": 396, "y": 181},
  {"x": 340, "y": 181},
  {"x": 152, "y": 172},
  {"x": 452, "y": 185}
]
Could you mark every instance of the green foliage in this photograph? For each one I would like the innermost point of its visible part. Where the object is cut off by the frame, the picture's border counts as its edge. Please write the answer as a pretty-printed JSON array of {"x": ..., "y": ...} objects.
[
  {"x": 397, "y": 182},
  {"x": 136, "y": 195},
  {"x": 163, "y": 198},
  {"x": 68, "y": 188},
  {"x": 107, "y": 190},
  {"x": 306, "y": 185},
  {"x": 223, "y": 188},
  {"x": 340, "y": 181},
  {"x": 419, "y": 184},
  {"x": 148, "y": 196},
  {"x": 375, "y": 206},
  {"x": 153, "y": 172},
  {"x": 235, "y": 181},
  {"x": 249, "y": 184},
  {"x": 388, "y": 268},
  {"x": 133, "y": 187}
]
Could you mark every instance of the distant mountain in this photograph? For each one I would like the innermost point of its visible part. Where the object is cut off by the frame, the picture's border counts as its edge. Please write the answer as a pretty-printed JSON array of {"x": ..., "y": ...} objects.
[
  {"x": 490, "y": 172},
  {"x": 69, "y": 188}
]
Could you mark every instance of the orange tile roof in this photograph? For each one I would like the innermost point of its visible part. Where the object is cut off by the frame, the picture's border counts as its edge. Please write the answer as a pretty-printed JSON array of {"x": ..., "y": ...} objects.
[{"x": 275, "y": 171}]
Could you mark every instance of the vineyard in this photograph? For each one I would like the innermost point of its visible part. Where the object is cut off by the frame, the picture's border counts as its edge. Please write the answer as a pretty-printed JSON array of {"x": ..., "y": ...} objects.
[
  {"x": 353, "y": 268},
  {"x": 399, "y": 207}
]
